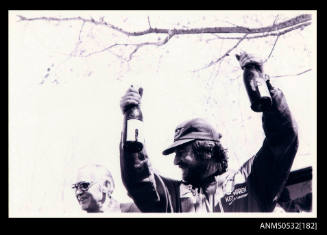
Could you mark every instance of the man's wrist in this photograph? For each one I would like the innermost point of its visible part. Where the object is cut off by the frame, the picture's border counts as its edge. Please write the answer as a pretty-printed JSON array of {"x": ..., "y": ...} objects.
[{"x": 252, "y": 65}]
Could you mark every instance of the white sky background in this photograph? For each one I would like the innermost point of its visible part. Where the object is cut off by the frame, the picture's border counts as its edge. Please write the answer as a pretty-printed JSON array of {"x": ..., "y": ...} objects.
[{"x": 64, "y": 109}]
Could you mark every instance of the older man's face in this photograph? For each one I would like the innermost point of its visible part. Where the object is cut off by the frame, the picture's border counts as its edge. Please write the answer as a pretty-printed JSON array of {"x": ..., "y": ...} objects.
[{"x": 88, "y": 193}]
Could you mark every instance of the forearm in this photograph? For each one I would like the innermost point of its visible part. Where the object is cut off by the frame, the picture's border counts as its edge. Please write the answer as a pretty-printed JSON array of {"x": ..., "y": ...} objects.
[
  {"x": 138, "y": 178},
  {"x": 135, "y": 169},
  {"x": 279, "y": 126},
  {"x": 272, "y": 164}
]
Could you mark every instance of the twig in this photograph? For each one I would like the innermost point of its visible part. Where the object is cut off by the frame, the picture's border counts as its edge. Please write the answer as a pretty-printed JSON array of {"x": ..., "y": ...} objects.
[
  {"x": 104, "y": 49},
  {"x": 149, "y": 22},
  {"x": 80, "y": 32},
  {"x": 277, "y": 16},
  {"x": 226, "y": 54},
  {"x": 291, "y": 75},
  {"x": 73, "y": 53},
  {"x": 272, "y": 49},
  {"x": 137, "y": 47}
]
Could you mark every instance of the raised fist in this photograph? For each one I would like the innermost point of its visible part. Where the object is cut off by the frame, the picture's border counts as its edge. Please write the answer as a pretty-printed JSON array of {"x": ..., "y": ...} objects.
[
  {"x": 131, "y": 97},
  {"x": 245, "y": 59}
]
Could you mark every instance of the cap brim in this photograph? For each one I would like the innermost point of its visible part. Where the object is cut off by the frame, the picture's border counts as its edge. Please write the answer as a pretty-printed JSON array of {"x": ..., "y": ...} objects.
[{"x": 172, "y": 147}]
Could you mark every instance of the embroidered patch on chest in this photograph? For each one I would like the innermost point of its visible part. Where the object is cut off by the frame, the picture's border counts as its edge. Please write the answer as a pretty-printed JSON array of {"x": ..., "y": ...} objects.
[{"x": 240, "y": 191}]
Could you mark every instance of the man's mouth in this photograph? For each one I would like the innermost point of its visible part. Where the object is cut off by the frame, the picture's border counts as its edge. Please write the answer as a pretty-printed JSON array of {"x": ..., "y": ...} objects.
[{"x": 82, "y": 198}]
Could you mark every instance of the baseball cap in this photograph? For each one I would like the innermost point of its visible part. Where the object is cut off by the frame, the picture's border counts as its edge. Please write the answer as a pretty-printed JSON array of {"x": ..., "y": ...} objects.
[{"x": 195, "y": 129}]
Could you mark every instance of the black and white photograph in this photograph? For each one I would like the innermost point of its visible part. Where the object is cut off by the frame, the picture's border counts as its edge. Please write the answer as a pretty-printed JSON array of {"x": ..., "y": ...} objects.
[{"x": 162, "y": 113}]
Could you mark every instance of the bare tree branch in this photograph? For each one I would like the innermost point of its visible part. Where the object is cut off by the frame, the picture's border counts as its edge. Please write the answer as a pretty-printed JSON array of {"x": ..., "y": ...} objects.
[
  {"x": 280, "y": 76},
  {"x": 104, "y": 49},
  {"x": 291, "y": 75},
  {"x": 237, "y": 29},
  {"x": 137, "y": 47},
  {"x": 80, "y": 32},
  {"x": 272, "y": 49},
  {"x": 223, "y": 56},
  {"x": 275, "y": 21},
  {"x": 149, "y": 22},
  {"x": 298, "y": 22},
  {"x": 301, "y": 26},
  {"x": 74, "y": 52}
]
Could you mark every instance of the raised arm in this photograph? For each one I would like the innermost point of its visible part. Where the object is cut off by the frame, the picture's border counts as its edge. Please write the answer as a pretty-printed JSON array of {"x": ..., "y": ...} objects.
[
  {"x": 268, "y": 170},
  {"x": 142, "y": 184},
  {"x": 272, "y": 164}
]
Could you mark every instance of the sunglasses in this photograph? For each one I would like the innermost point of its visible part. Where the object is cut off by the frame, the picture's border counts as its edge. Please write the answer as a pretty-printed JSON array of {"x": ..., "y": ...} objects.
[{"x": 84, "y": 186}]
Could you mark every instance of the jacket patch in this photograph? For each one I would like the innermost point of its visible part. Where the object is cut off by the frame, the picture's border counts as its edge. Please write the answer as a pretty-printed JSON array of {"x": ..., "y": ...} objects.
[{"x": 240, "y": 191}]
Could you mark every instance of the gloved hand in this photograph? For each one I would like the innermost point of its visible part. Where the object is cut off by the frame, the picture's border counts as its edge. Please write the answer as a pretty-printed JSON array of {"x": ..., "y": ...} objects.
[
  {"x": 131, "y": 97},
  {"x": 245, "y": 59}
]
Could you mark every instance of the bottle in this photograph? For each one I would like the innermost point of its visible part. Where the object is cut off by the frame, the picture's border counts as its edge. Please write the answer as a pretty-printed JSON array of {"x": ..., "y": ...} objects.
[
  {"x": 257, "y": 88},
  {"x": 133, "y": 128}
]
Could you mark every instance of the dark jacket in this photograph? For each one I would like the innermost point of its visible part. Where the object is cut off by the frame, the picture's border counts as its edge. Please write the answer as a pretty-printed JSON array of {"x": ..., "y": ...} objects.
[{"x": 255, "y": 187}]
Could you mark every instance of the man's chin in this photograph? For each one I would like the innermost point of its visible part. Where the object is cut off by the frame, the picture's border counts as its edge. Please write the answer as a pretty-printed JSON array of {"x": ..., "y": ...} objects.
[
  {"x": 185, "y": 174},
  {"x": 84, "y": 204},
  {"x": 190, "y": 180},
  {"x": 187, "y": 179}
]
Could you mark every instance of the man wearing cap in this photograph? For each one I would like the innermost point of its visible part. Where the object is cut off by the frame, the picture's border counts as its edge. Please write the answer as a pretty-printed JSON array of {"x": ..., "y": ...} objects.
[{"x": 207, "y": 186}]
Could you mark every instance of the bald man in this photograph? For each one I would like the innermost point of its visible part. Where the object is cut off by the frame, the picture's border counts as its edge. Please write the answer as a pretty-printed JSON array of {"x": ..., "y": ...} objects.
[{"x": 93, "y": 189}]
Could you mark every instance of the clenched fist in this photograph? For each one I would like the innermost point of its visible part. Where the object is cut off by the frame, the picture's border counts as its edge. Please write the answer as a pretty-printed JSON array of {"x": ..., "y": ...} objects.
[
  {"x": 131, "y": 97},
  {"x": 245, "y": 59}
]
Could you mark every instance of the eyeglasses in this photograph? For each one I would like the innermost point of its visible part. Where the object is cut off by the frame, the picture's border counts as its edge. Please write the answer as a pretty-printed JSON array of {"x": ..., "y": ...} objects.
[{"x": 84, "y": 186}]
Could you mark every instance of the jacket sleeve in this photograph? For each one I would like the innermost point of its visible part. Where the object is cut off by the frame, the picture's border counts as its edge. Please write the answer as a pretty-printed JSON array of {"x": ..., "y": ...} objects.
[
  {"x": 268, "y": 170},
  {"x": 145, "y": 187}
]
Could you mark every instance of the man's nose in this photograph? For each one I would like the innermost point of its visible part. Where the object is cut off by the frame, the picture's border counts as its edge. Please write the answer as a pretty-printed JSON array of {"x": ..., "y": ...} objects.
[
  {"x": 78, "y": 191},
  {"x": 177, "y": 159}
]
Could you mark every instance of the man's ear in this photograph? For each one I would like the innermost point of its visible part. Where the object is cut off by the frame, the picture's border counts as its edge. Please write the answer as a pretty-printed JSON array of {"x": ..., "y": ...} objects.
[{"x": 108, "y": 187}]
